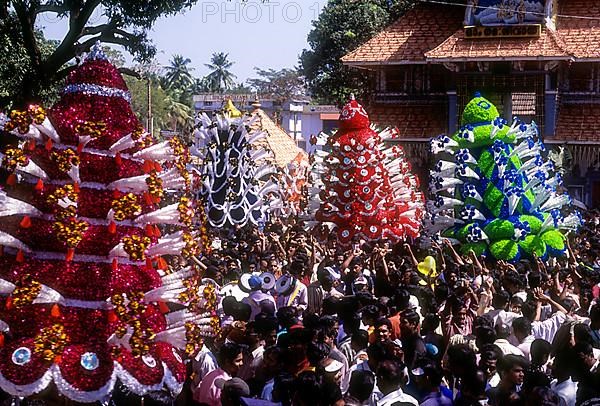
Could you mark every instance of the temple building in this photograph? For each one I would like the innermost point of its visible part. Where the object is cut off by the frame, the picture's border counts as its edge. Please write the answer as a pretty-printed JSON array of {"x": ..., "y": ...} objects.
[{"x": 535, "y": 59}]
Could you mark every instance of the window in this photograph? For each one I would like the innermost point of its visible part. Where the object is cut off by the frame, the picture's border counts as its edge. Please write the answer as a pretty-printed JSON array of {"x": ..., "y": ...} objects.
[{"x": 523, "y": 104}]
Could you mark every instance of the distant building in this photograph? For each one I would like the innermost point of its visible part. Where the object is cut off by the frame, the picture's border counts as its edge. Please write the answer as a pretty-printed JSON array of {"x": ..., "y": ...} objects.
[
  {"x": 535, "y": 59},
  {"x": 297, "y": 117},
  {"x": 210, "y": 102}
]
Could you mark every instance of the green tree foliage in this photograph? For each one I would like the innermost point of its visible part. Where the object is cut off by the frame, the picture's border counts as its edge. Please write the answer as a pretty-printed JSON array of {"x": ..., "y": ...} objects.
[
  {"x": 280, "y": 84},
  {"x": 15, "y": 63},
  {"x": 139, "y": 102},
  {"x": 342, "y": 26},
  {"x": 125, "y": 23},
  {"x": 178, "y": 73},
  {"x": 220, "y": 78}
]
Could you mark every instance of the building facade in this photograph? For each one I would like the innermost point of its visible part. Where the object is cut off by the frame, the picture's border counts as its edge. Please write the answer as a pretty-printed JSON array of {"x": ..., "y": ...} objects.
[
  {"x": 535, "y": 59},
  {"x": 297, "y": 117}
]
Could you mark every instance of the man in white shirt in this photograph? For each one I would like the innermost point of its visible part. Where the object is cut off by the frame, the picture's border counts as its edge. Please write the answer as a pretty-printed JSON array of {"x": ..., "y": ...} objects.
[
  {"x": 257, "y": 296},
  {"x": 502, "y": 334},
  {"x": 522, "y": 331},
  {"x": 390, "y": 378},
  {"x": 296, "y": 296},
  {"x": 203, "y": 363},
  {"x": 563, "y": 385}
]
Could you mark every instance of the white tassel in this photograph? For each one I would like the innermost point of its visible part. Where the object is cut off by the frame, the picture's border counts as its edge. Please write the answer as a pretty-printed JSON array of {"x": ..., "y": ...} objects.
[
  {"x": 176, "y": 277},
  {"x": 74, "y": 173},
  {"x": 443, "y": 203},
  {"x": 171, "y": 244},
  {"x": 166, "y": 215},
  {"x": 264, "y": 171},
  {"x": 123, "y": 341},
  {"x": 443, "y": 144},
  {"x": 10, "y": 206},
  {"x": 542, "y": 194},
  {"x": 571, "y": 223},
  {"x": 256, "y": 136},
  {"x": 10, "y": 241},
  {"x": 31, "y": 168},
  {"x": 33, "y": 133},
  {"x": 48, "y": 295},
  {"x": 556, "y": 202},
  {"x": 48, "y": 130},
  {"x": 118, "y": 251},
  {"x": 442, "y": 184},
  {"x": 174, "y": 336},
  {"x": 6, "y": 287},
  {"x": 157, "y": 152},
  {"x": 513, "y": 201},
  {"x": 549, "y": 222},
  {"x": 137, "y": 184},
  {"x": 445, "y": 168},
  {"x": 466, "y": 172},
  {"x": 258, "y": 155}
]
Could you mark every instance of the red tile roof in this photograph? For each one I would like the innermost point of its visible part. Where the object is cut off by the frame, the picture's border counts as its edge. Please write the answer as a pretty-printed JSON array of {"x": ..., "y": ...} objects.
[
  {"x": 279, "y": 142},
  {"x": 582, "y": 35},
  {"x": 422, "y": 28},
  {"x": 458, "y": 48},
  {"x": 412, "y": 121},
  {"x": 578, "y": 122}
]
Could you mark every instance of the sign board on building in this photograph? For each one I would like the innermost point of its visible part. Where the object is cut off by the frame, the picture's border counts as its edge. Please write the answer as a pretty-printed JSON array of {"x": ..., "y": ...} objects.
[
  {"x": 506, "y": 31},
  {"x": 507, "y": 12}
]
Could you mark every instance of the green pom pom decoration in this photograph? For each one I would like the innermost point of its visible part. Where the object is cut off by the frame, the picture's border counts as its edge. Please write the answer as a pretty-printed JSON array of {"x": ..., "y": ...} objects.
[
  {"x": 533, "y": 244},
  {"x": 477, "y": 247},
  {"x": 499, "y": 229},
  {"x": 554, "y": 239},
  {"x": 493, "y": 193},
  {"x": 462, "y": 232},
  {"x": 486, "y": 163},
  {"x": 478, "y": 110},
  {"x": 493, "y": 199},
  {"x": 535, "y": 224},
  {"x": 506, "y": 250}
]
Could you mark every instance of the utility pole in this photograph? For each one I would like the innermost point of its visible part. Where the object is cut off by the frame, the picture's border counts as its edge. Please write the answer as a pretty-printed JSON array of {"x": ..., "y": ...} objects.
[{"x": 150, "y": 123}]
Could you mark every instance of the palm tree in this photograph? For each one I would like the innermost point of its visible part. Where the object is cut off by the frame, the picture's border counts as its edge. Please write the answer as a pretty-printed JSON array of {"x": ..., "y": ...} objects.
[
  {"x": 178, "y": 76},
  {"x": 220, "y": 78},
  {"x": 180, "y": 115},
  {"x": 201, "y": 85}
]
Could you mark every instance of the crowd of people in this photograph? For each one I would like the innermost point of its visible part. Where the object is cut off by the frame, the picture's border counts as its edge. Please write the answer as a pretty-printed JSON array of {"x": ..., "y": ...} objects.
[{"x": 381, "y": 324}]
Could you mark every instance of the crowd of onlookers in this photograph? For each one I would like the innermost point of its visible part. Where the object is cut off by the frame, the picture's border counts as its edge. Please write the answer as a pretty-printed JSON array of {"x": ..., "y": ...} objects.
[{"x": 381, "y": 324}]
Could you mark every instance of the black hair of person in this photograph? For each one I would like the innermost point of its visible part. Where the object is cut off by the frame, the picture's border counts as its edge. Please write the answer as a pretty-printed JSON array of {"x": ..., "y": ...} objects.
[
  {"x": 361, "y": 386},
  {"x": 540, "y": 351},
  {"x": 522, "y": 325},
  {"x": 509, "y": 361},
  {"x": 228, "y": 352}
]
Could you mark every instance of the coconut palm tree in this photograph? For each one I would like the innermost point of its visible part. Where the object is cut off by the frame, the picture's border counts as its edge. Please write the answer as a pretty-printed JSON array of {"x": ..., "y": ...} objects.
[
  {"x": 178, "y": 76},
  {"x": 220, "y": 78},
  {"x": 180, "y": 115}
]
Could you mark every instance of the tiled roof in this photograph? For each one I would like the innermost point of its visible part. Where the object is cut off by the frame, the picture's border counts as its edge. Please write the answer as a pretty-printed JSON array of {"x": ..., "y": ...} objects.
[
  {"x": 458, "y": 48},
  {"x": 412, "y": 121},
  {"x": 578, "y": 122},
  {"x": 283, "y": 146},
  {"x": 582, "y": 35},
  {"x": 405, "y": 41}
]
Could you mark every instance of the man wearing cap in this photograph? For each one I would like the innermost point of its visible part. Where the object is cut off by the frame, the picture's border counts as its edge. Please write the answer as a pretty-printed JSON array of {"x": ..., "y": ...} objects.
[
  {"x": 291, "y": 292},
  {"x": 256, "y": 297},
  {"x": 232, "y": 390}
]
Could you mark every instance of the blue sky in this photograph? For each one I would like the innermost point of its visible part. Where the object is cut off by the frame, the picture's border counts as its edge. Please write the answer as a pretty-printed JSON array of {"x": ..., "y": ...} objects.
[{"x": 267, "y": 34}]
